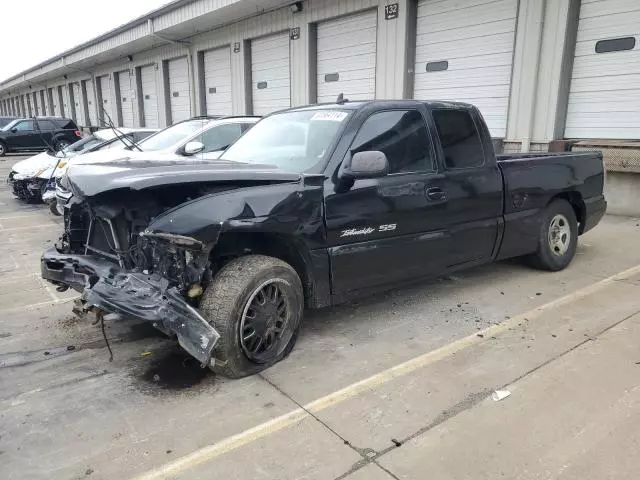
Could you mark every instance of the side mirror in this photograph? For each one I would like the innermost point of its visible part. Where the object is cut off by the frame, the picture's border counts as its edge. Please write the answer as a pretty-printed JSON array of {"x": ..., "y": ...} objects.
[
  {"x": 14, "y": 130},
  {"x": 369, "y": 164},
  {"x": 192, "y": 148}
]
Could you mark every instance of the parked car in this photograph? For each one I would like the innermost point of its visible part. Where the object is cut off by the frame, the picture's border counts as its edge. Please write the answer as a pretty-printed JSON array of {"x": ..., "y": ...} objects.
[
  {"x": 6, "y": 120},
  {"x": 37, "y": 134},
  {"x": 311, "y": 207},
  {"x": 199, "y": 138},
  {"x": 29, "y": 177}
]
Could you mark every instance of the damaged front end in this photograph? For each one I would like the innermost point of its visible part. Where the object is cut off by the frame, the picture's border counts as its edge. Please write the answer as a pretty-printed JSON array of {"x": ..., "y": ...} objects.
[{"x": 107, "y": 254}]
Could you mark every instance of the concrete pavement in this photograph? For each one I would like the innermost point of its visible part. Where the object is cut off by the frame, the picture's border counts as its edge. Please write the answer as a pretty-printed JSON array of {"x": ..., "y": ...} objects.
[{"x": 404, "y": 368}]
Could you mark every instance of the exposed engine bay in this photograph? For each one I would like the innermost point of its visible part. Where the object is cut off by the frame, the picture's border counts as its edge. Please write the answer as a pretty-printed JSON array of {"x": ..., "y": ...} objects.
[{"x": 107, "y": 253}]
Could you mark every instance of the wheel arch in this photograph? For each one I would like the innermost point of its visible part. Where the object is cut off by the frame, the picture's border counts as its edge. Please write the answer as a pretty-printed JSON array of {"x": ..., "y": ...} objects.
[
  {"x": 232, "y": 245},
  {"x": 575, "y": 199}
]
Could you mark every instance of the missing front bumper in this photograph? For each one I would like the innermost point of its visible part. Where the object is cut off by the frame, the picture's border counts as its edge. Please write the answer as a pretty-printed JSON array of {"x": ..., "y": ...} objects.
[{"x": 108, "y": 287}]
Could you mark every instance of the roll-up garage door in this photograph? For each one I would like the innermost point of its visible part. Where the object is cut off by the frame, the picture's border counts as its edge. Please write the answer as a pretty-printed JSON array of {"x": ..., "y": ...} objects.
[
  {"x": 464, "y": 52},
  {"x": 105, "y": 99},
  {"x": 149, "y": 96},
  {"x": 217, "y": 81},
  {"x": 36, "y": 104},
  {"x": 126, "y": 98},
  {"x": 179, "y": 91},
  {"x": 604, "y": 97},
  {"x": 270, "y": 73},
  {"x": 43, "y": 102},
  {"x": 346, "y": 57},
  {"x": 78, "y": 108},
  {"x": 91, "y": 102},
  {"x": 53, "y": 104}
]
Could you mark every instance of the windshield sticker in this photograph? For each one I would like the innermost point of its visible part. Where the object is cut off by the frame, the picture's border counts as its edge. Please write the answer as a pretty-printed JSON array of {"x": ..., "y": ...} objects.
[{"x": 330, "y": 115}]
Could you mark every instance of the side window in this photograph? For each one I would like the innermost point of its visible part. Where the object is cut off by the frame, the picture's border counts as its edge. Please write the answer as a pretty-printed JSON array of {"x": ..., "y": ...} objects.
[
  {"x": 401, "y": 135},
  {"x": 220, "y": 137},
  {"x": 460, "y": 139},
  {"x": 25, "y": 126},
  {"x": 46, "y": 125}
]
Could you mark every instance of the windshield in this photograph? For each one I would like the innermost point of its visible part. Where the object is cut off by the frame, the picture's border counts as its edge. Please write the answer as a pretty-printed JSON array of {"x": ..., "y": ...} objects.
[
  {"x": 170, "y": 136},
  {"x": 9, "y": 125},
  {"x": 84, "y": 144},
  {"x": 292, "y": 141}
]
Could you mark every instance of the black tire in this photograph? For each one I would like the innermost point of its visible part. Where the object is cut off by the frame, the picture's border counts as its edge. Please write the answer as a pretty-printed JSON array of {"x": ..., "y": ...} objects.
[
  {"x": 61, "y": 145},
  {"x": 3, "y": 149},
  {"x": 557, "y": 238},
  {"x": 53, "y": 207},
  {"x": 228, "y": 299}
]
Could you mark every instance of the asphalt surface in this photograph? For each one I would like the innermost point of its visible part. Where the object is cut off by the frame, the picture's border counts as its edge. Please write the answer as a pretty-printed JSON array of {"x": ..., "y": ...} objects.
[{"x": 365, "y": 382}]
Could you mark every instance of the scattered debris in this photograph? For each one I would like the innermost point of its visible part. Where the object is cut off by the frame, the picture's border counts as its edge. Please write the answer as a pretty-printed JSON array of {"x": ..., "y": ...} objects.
[
  {"x": 397, "y": 443},
  {"x": 480, "y": 335},
  {"x": 501, "y": 293},
  {"x": 169, "y": 451},
  {"x": 538, "y": 294},
  {"x": 500, "y": 395},
  {"x": 554, "y": 335},
  {"x": 88, "y": 471},
  {"x": 71, "y": 348},
  {"x": 145, "y": 354}
]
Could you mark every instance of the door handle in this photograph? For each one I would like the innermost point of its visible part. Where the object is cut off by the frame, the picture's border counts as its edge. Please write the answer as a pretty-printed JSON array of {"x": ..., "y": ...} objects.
[{"x": 436, "y": 194}]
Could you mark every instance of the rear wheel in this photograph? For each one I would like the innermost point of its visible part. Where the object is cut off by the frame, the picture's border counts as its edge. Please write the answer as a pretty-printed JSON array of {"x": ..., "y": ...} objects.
[
  {"x": 557, "y": 238},
  {"x": 256, "y": 304}
]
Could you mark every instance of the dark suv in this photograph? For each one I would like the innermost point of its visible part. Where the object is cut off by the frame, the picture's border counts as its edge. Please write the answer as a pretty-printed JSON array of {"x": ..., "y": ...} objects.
[{"x": 37, "y": 134}]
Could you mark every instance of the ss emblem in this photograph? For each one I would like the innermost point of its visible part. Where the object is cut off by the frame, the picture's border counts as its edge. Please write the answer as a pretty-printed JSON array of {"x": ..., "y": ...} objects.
[{"x": 387, "y": 228}]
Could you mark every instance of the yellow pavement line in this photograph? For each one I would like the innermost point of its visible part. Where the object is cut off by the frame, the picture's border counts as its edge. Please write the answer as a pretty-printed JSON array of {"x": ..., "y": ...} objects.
[{"x": 274, "y": 425}]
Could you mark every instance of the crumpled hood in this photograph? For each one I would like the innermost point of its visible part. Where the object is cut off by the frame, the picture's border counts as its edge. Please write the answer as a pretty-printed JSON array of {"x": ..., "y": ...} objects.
[
  {"x": 93, "y": 179},
  {"x": 35, "y": 163},
  {"x": 119, "y": 155}
]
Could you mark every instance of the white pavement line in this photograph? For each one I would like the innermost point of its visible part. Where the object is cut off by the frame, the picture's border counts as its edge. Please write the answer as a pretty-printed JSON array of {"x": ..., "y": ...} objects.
[
  {"x": 288, "y": 419},
  {"x": 14, "y": 278},
  {"x": 36, "y": 213},
  {"x": 31, "y": 306},
  {"x": 47, "y": 287},
  {"x": 15, "y": 229}
]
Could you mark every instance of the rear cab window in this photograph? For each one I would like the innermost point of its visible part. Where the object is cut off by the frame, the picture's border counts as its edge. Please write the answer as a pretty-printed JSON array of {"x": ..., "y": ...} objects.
[{"x": 460, "y": 139}]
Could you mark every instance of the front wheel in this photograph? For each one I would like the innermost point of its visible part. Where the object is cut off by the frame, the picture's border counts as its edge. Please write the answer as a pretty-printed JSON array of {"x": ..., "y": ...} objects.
[
  {"x": 3, "y": 149},
  {"x": 62, "y": 144},
  {"x": 256, "y": 304},
  {"x": 557, "y": 238}
]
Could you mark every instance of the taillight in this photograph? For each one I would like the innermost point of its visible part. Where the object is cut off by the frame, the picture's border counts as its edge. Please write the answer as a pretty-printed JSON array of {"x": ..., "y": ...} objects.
[{"x": 77, "y": 133}]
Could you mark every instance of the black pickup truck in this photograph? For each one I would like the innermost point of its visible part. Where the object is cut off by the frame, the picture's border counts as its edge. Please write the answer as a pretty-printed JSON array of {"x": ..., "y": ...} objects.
[{"x": 311, "y": 207}]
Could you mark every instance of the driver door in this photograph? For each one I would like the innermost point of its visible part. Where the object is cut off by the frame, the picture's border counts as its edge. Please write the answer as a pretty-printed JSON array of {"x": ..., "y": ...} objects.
[{"x": 386, "y": 230}]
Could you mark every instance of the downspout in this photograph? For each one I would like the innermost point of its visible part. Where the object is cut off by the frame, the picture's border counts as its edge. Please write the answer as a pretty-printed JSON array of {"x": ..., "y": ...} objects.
[
  {"x": 191, "y": 71},
  {"x": 526, "y": 142}
]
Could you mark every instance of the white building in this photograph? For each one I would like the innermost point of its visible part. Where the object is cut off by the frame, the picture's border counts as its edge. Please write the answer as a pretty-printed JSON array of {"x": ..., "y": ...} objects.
[{"x": 539, "y": 70}]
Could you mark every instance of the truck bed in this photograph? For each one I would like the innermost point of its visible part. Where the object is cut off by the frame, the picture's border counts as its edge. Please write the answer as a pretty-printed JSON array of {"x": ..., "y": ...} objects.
[{"x": 531, "y": 181}]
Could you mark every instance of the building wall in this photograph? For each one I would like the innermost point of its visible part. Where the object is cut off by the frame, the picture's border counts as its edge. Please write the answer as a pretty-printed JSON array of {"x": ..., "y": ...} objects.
[{"x": 540, "y": 81}]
